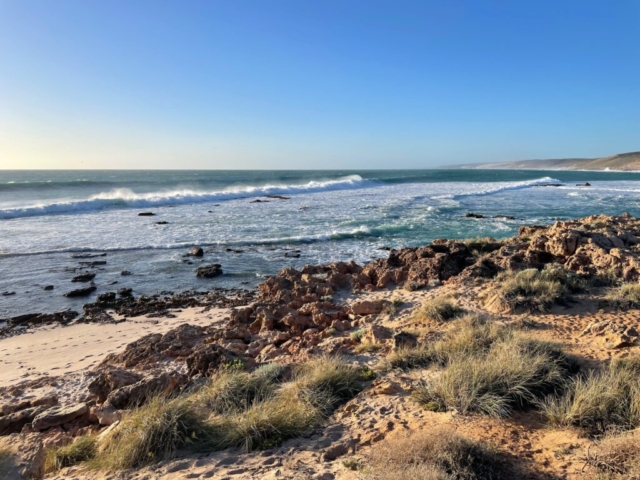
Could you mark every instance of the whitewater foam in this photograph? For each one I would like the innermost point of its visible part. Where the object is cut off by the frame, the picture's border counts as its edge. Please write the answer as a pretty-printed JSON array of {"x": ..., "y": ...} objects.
[
  {"x": 127, "y": 198},
  {"x": 503, "y": 187}
]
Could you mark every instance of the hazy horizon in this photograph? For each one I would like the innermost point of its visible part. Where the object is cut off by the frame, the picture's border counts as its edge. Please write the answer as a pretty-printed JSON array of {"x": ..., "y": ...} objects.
[{"x": 314, "y": 86}]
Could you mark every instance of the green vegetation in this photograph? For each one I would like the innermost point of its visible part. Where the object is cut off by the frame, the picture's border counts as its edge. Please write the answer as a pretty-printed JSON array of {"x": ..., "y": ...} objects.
[
  {"x": 438, "y": 454},
  {"x": 599, "y": 401},
  {"x": 440, "y": 309},
  {"x": 81, "y": 450},
  {"x": 625, "y": 296},
  {"x": 532, "y": 289}
]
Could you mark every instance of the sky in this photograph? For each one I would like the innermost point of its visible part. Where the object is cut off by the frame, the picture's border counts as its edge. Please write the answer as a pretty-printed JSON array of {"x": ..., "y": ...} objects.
[{"x": 298, "y": 84}]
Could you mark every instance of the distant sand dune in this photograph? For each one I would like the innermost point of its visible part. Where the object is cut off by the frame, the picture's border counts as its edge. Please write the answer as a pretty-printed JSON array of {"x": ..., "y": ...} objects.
[{"x": 622, "y": 161}]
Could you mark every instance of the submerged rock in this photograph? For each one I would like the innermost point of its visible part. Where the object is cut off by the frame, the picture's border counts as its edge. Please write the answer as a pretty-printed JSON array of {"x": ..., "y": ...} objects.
[
  {"x": 85, "y": 277},
  {"x": 196, "y": 252},
  {"x": 81, "y": 292},
  {"x": 146, "y": 214},
  {"x": 209, "y": 271}
]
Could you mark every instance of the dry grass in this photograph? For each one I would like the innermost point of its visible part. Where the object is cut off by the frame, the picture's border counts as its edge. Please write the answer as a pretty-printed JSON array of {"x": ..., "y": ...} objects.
[
  {"x": 439, "y": 310},
  {"x": 81, "y": 450},
  {"x": 487, "y": 368},
  {"x": 438, "y": 454},
  {"x": 616, "y": 457},
  {"x": 599, "y": 401},
  {"x": 515, "y": 373},
  {"x": 531, "y": 290},
  {"x": 253, "y": 411},
  {"x": 625, "y": 296},
  {"x": 482, "y": 246}
]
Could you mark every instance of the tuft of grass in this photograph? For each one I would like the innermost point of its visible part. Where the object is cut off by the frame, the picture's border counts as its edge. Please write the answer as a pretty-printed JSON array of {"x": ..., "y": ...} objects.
[
  {"x": 367, "y": 347},
  {"x": 625, "y": 296},
  {"x": 358, "y": 335},
  {"x": 440, "y": 309},
  {"x": 531, "y": 289},
  {"x": 599, "y": 401},
  {"x": 514, "y": 373},
  {"x": 232, "y": 390},
  {"x": 408, "y": 359},
  {"x": 438, "y": 454},
  {"x": 482, "y": 246},
  {"x": 81, "y": 450},
  {"x": 391, "y": 308},
  {"x": 152, "y": 433},
  {"x": 267, "y": 424}
]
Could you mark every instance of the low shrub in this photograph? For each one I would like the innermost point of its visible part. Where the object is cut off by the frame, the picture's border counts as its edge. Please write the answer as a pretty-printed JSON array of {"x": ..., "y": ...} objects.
[
  {"x": 81, "y": 450},
  {"x": 625, "y": 296},
  {"x": 528, "y": 290},
  {"x": 514, "y": 373},
  {"x": 599, "y": 401},
  {"x": 616, "y": 457},
  {"x": 439, "y": 310},
  {"x": 438, "y": 454}
]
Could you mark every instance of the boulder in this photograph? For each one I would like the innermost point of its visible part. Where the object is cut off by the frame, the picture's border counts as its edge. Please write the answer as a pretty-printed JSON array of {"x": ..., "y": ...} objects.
[
  {"x": 14, "y": 422},
  {"x": 209, "y": 271},
  {"x": 58, "y": 415},
  {"x": 196, "y": 252},
  {"x": 367, "y": 307},
  {"x": 377, "y": 334},
  {"x": 136, "y": 394},
  {"x": 106, "y": 414},
  {"x": 109, "y": 379},
  {"x": 125, "y": 292}
]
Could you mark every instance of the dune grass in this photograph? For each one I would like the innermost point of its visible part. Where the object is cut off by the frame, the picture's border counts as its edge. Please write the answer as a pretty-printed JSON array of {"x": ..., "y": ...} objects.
[
  {"x": 483, "y": 245},
  {"x": 236, "y": 409},
  {"x": 513, "y": 374},
  {"x": 81, "y": 450},
  {"x": 486, "y": 368},
  {"x": 532, "y": 290},
  {"x": 439, "y": 310},
  {"x": 625, "y": 296},
  {"x": 437, "y": 454},
  {"x": 599, "y": 401}
]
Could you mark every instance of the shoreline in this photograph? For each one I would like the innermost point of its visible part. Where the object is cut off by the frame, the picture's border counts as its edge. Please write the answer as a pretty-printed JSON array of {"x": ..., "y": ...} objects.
[{"x": 363, "y": 314}]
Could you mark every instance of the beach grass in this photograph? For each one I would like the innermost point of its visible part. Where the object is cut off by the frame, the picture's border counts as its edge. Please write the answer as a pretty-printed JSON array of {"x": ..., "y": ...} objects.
[
  {"x": 439, "y": 310},
  {"x": 625, "y": 296}
]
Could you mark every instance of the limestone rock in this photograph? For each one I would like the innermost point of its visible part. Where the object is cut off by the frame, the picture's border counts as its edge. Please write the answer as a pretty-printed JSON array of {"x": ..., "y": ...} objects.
[{"x": 58, "y": 415}]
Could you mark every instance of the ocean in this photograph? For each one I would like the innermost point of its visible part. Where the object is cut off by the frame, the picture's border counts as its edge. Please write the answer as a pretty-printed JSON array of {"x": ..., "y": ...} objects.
[{"x": 49, "y": 218}]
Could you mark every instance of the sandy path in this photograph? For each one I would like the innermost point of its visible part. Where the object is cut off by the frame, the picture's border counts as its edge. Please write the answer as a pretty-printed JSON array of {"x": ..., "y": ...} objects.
[{"x": 59, "y": 350}]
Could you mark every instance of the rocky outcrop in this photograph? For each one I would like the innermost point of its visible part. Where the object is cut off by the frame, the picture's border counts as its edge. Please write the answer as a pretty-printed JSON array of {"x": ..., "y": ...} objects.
[
  {"x": 136, "y": 394},
  {"x": 84, "y": 277},
  {"x": 613, "y": 335},
  {"x": 58, "y": 415},
  {"x": 111, "y": 378},
  {"x": 42, "y": 318},
  {"x": 150, "y": 349},
  {"x": 207, "y": 359},
  {"x": 81, "y": 292}
]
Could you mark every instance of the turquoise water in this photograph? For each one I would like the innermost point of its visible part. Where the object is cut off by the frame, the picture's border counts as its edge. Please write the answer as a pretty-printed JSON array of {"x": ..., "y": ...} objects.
[{"x": 48, "y": 216}]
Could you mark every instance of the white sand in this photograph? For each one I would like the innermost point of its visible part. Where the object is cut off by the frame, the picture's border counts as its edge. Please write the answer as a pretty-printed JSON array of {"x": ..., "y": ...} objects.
[{"x": 55, "y": 350}]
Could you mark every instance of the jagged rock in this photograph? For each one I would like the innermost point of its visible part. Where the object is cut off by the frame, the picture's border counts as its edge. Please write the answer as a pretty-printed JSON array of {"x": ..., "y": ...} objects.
[
  {"x": 207, "y": 359},
  {"x": 377, "y": 334},
  {"x": 106, "y": 414},
  {"x": 8, "y": 408},
  {"x": 136, "y": 394},
  {"x": 85, "y": 277},
  {"x": 58, "y": 415},
  {"x": 109, "y": 379},
  {"x": 335, "y": 451},
  {"x": 14, "y": 422},
  {"x": 125, "y": 292},
  {"x": 40, "y": 318},
  {"x": 81, "y": 292},
  {"x": 106, "y": 298},
  {"x": 27, "y": 457},
  {"x": 209, "y": 271}
]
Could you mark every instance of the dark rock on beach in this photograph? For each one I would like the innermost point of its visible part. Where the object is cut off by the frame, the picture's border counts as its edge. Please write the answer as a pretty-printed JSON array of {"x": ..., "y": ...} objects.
[
  {"x": 125, "y": 292},
  {"x": 42, "y": 318},
  {"x": 81, "y": 292},
  {"x": 85, "y": 277},
  {"x": 209, "y": 271},
  {"x": 146, "y": 214}
]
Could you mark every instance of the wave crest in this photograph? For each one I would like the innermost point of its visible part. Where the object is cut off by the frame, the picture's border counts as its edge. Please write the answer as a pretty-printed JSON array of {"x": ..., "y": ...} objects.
[{"x": 127, "y": 198}]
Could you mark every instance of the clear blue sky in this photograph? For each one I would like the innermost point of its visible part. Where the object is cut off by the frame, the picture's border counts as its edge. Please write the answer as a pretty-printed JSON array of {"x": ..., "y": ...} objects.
[{"x": 315, "y": 84}]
